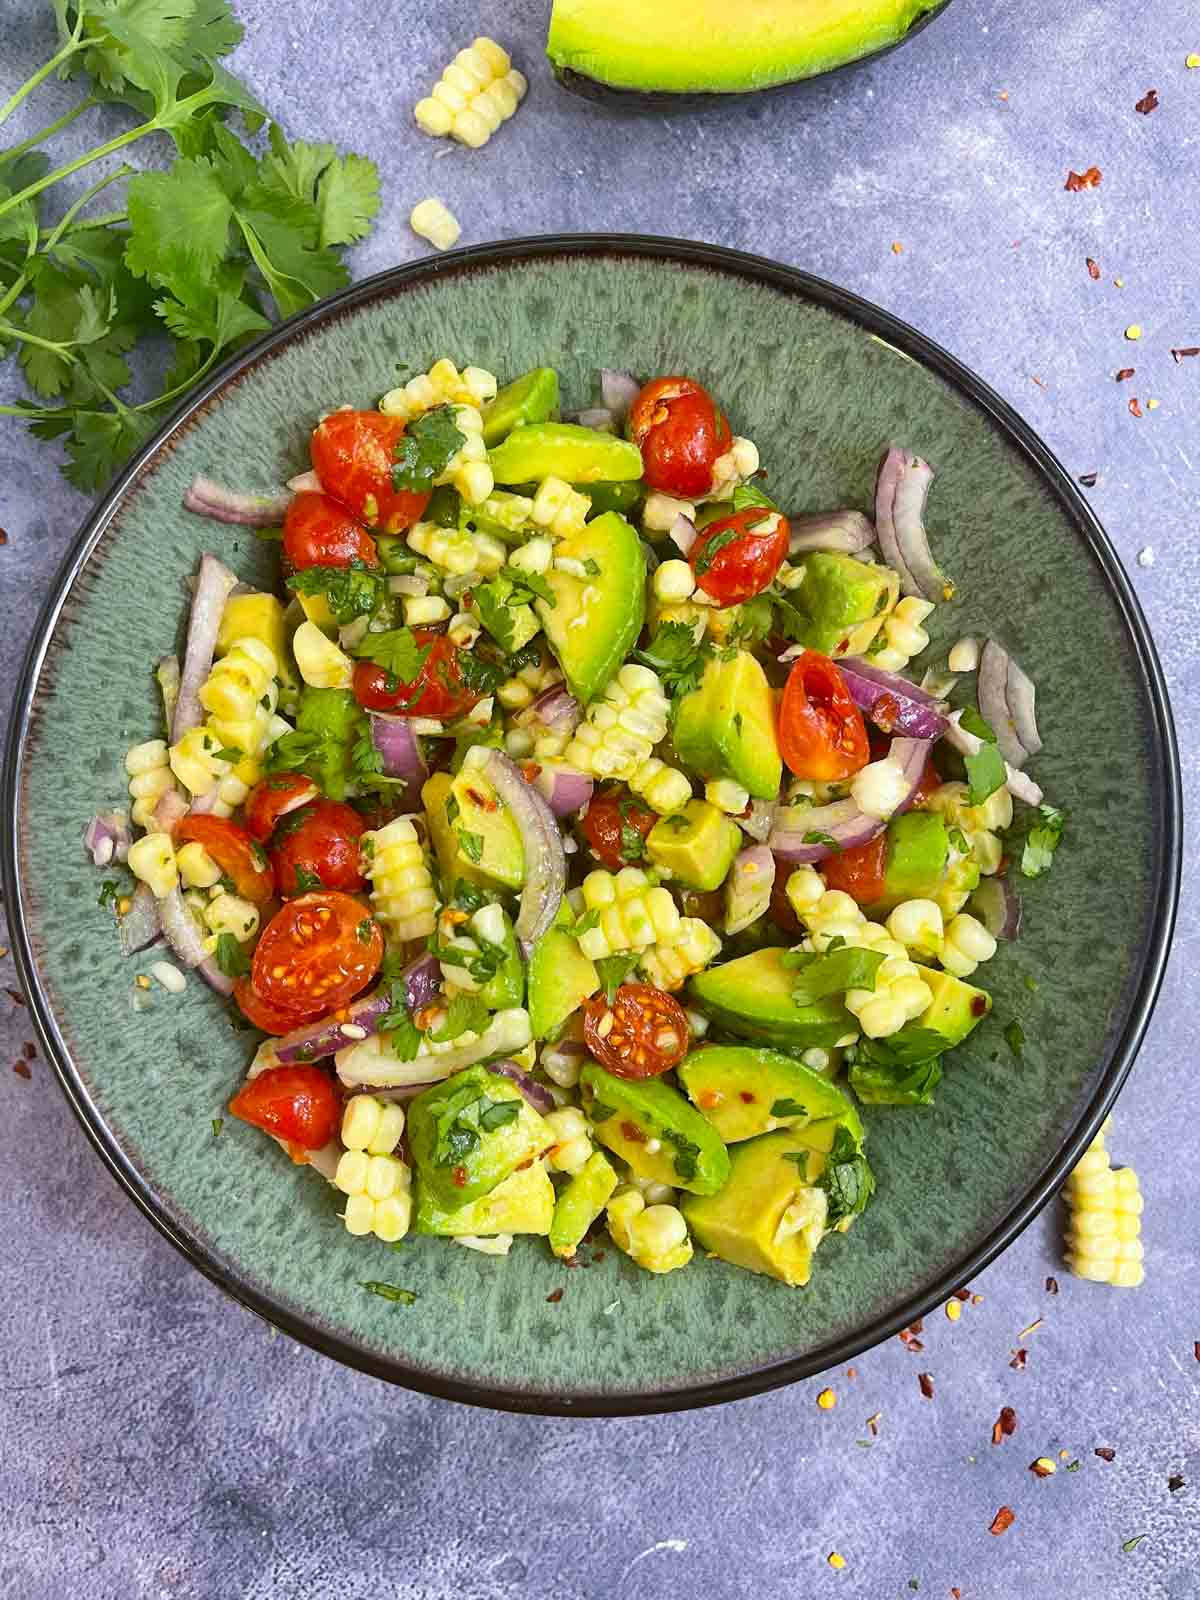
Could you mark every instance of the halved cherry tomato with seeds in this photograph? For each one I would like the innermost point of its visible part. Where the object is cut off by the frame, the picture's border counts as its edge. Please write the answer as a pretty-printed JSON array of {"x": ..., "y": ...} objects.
[
  {"x": 642, "y": 1033},
  {"x": 320, "y": 950},
  {"x": 353, "y": 453},
  {"x": 615, "y": 825},
  {"x": 859, "y": 872},
  {"x": 438, "y": 691},
  {"x": 239, "y": 857},
  {"x": 737, "y": 557},
  {"x": 265, "y": 1015},
  {"x": 821, "y": 730},
  {"x": 677, "y": 426},
  {"x": 318, "y": 532},
  {"x": 317, "y": 847},
  {"x": 299, "y": 1104},
  {"x": 273, "y": 798}
]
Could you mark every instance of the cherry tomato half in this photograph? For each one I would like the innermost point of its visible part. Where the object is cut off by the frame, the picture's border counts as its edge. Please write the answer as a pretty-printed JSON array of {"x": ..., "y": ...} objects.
[
  {"x": 320, "y": 950},
  {"x": 234, "y": 851},
  {"x": 318, "y": 532},
  {"x": 317, "y": 848},
  {"x": 438, "y": 691},
  {"x": 268, "y": 1017},
  {"x": 821, "y": 731},
  {"x": 859, "y": 872},
  {"x": 737, "y": 556},
  {"x": 615, "y": 825},
  {"x": 295, "y": 1103},
  {"x": 353, "y": 453},
  {"x": 680, "y": 431},
  {"x": 273, "y": 798},
  {"x": 648, "y": 1033}
]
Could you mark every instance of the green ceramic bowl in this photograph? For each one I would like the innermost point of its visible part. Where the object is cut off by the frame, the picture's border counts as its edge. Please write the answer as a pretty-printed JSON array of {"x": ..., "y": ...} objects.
[{"x": 819, "y": 380}]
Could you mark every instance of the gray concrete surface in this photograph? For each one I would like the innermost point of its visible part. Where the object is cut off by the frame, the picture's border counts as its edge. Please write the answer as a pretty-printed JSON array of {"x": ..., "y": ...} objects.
[{"x": 158, "y": 1440}]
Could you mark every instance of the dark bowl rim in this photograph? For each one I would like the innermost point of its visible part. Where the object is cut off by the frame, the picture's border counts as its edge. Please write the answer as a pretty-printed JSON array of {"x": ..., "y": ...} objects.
[{"x": 1166, "y": 844}]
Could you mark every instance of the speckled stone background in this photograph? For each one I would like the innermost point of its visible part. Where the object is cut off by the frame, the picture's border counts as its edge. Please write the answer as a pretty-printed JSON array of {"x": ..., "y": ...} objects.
[{"x": 159, "y": 1441}]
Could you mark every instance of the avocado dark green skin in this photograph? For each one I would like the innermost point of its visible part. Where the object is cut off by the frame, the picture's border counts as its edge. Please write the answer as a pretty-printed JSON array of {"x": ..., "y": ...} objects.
[{"x": 658, "y": 100}]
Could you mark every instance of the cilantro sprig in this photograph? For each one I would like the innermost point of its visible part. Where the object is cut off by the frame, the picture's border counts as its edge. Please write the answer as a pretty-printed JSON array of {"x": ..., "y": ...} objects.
[
  {"x": 426, "y": 449},
  {"x": 676, "y": 657}
]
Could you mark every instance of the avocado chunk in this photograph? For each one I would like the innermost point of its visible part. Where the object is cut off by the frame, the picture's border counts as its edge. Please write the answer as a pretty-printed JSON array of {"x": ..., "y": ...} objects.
[
  {"x": 726, "y": 727},
  {"x": 580, "y": 1203},
  {"x": 956, "y": 1009},
  {"x": 620, "y": 497},
  {"x": 918, "y": 848},
  {"x": 561, "y": 977},
  {"x": 485, "y": 833},
  {"x": 521, "y": 1203},
  {"x": 771, "y": 1214},
  {"x": 843, "y": 602},
  {"x": 744, "y": 1092},
  {"x": 595, "y": 620},
  {"x": 469, "y": 1133},
  {"x": 697, "y": 845},
  {"x": 564, "y": 450},
  {"x": 623, "y": 49},
  {"x": 752, "y": 996},
  {"x": 533, "y": 397},
  {"x": 652, "y": 1128}
]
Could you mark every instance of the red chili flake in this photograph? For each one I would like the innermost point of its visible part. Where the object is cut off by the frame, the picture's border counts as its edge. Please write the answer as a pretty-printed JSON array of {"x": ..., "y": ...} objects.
[
  {"x": 3, "y": 537},
  {"x": 1083, "y": 180},
  {"x": 917, "y": 1327},
  {"x": 1175, "y": 1482},
  {"x": 1187, "y": 350},
  {"x": 1135, "y": 408},
  {"x": 1196, "y": 1349},
  {"x": 15, "y": 995},
  {"x": 1051, "y": 1285},
  {"x": 1003, "y": 1520},
  {"x": 1039, "y": 381},
  {"x": 633, "y": 1133},
  {"x": 1032, "y": 1328},
  {"x": 459, "y": 1177},
  {"x": 956, "y": 1593},
  {"x": 1019, "y": 1359},
  {"x": 1125, "y": 372},
  {"x": 852, "y": 1372},
  {"x": 1093, "y": 268},
  {"x": 554, "y": 1296},
  {"x": 29, "y": 1050},
  {"x": 909, "y": 1341},
  {"x": 1148, "y": 102},
  {"x": 1005, "y": 1425},
  {"x": 926, "y": 1382},
  {"x": 1105, "y": 1452},
  {"x": 21, "y": 1068},
  {"x": 1088, "y": 479},
  {"x": 746, "y": 1096},
  {"x": 962, "y": 1294}
]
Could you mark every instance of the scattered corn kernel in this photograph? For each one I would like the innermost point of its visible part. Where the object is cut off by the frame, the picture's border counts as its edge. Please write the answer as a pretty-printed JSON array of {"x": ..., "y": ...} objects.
[
  {"x": 836, "y": 1561},
  {"x": 954, "y": 1309},
  {"x": 431, "y": 220},
  {"x": 827, "y": 1399}
]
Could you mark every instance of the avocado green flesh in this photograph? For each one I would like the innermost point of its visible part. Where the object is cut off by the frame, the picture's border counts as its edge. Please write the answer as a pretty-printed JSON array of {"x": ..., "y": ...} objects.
[
  {"x": 453, "y": 1171},
  {"x": 533, "y": 397},
  {"x": 564, "y": 450},
  {"x": 726, "y": 727},
  {"x": 697, "y": 845},
  {"x": 918, "y": 848},
  {"x": 741, "y": 1089},
  {"x": 580, "y": 1203},
  {"x": 955, "y": 1010},
  {"x": 629, "y": 1114},
  {"x": 752, "y": 996},
  {"x": 741, "y": 1223},
  {"x": 696, "y": 46},
  {"x": 843, "y": 601},
  {"x": 522, "y": 1203},
  {"x": 595, "y": 621},
  {"x": 561, "y": 977}
]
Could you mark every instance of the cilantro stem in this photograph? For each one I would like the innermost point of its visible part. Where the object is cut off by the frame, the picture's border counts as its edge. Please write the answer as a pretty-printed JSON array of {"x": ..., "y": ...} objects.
[
  {"x": 181, "y": 388},
  {"x": 68, "y": 216},
  {"x": 98, "y": 154},
  {"x": 73, "y": 44},
  {"x": 48, "y": 132},
  {"x": 8, "y": 331}
]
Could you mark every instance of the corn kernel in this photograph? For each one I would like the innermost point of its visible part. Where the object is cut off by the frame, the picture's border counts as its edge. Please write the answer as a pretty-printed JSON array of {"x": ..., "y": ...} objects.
[
  {"x": 431, "y": 220},
  {"x": 827, "y": 1399}
]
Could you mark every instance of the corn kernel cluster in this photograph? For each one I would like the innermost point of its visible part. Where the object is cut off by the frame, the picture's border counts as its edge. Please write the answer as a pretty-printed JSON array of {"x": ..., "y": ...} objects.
[
  {"x": 240, "y": 695},
  {"x": 376, "y": 1183},
  {"x": 904, "y": 634},
  {"x": 1103, "y": 1240},
  {"x": 478, "y": 91},
  {"x": 442, "y": 385},
  {"x": 669, "y": 966},
  {"x": 980, "y": 825},
  {"x": 633, "y": 915},
  {"x": 150, "y": 777},
  {"x": 738, "y": 463},
  {"x": 621, "y": 728},
  {"x": 727, "y": 796},
  {"x": 572, "y": 1144},
  {"x": 659, "y": 512},
  {"x": 457, "y": 550},
  {"x": 966, "y": 944},
  {"x": 559, "y": 508},
  {"x": 402, "y": 894},
  {"x": 322, "y": 663},
  {"x": 654, "y": 1236},
  {"x": 664, "y": 789}
]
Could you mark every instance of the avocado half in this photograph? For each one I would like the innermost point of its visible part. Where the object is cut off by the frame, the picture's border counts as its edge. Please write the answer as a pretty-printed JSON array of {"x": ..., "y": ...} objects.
[{"x": 654, "y": 54}]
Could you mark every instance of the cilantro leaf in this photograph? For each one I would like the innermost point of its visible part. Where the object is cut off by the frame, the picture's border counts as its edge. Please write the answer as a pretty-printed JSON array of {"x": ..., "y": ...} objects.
[
  {"x": 471, "y": 845},
  {"x": 389, "y": 1291},
  {"x": 676, "y": 657},
  {"x": 491, "y": 607},
  {"x": 179, "y": 226},
  {"x": 498, "y": 1113},
  {"x": 365, "y": 759},
  {"x": 847, "y": 1180},
  {"x": 1014, "y": 1038},
  {"x": 986, "y": 773},
  {"x": 396, "y": 651},
  {"x": 231, "y": 957},
  {"x": 281, "y": 234},
  {"x": 344, "y": 190},
  {"x": 849, "y": 967},
  {"x": 633, "y": 843},
  {"x": 353, "y": 591},
  {"x": 879, "y": 1077},
  {"x": 426, "y": 448},
  {"x": 527, "y": 586},
  {"x": 466, "y": 1013},
  {"x": 613, "y": 970},
  {"x": 787, "y": 1107},
  {"x": 747, "y": 495},
  {"x": 1044, "y": 839},
  {"x": 971, "y": 722}
]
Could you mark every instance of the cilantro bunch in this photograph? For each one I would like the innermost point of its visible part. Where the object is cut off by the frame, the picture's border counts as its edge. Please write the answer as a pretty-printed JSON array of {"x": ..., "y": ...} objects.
[{"x": 201, "y": 256}]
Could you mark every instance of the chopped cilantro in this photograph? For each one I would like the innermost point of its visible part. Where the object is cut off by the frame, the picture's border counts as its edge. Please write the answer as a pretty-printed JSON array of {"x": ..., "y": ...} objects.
[
  {"x": 479, "y": 674},
  {"x": 231, "y": 957},
  {"x": 1132, "y": 1544},
  {"x": 847, "y": 1180},
  {"x": 471, "y": 845},
  {"x": 389, "y": 1291},
  {"x": 396, "y": 651},
  {"x": 971, "y": 722},
  {"x": 110, "y": 891},
  {"x": 787, "y": 1107},
  {"x": 425, "y": 450},
  {"x": 747, "y": 495},
  {"x": 527, "y": 586},
  {"x": 217, "y": 1124},
  {"x": 633, "y": 845},
  {"x": 592, "y": 567},
  {"x": 491, "y": 607},
  {"x": 365, "y": 930},
  {"x": 986, "y": 773},
  {"x": 686, "y": 1154},
  {"x": 466, "y": 1013},
  {"x": 350, "y": 592},
  {"x": 833, "y": 973},
  {"x": 599, "y": 1112},
  {"x": 959, "y": 840},
  {"x": 816, "y": 836},
  {"x": 712, "y": 547},
  {"x": 885, "y": 1077},
  {"x": 498, "y": 1114},
  {"x": 1014, "y": 1038},
  {"x": 588, "y": 921},
  {"x": 613, "y": 970},
  {"x": 1044, "y": 839},
  {"x": 306, "y": 881},
  {"x": 231, "y": 753},
  {"x": 365, "y": 759},
  {"x": 676, "y": 657},
  {"x": 404, "y": 1037}
]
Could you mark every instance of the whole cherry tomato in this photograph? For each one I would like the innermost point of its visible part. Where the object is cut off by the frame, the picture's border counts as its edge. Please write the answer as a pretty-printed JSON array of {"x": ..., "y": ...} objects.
[
  {"x": 821, "y": 731},
  {"x": 273, "y": 798},
  {"x": 737, "y": 557},
  {"x": 677, "y": 426},
  {"x": 317, "y": 848},
  {"x": 268, "y": 1017},
  {"x": 614, "y": 825},
  {"x": 353, "y": 453},
  {"x": 859, "y": 872},
  {"x": 318, "y": 532},
  {"x": 299, "y": 1104},
  {"x": 239, "y": 856},
  {"x": 438, "y": 690},
  {"x": 320, "y": 950},
  {"x": 647, "y": 1032}
]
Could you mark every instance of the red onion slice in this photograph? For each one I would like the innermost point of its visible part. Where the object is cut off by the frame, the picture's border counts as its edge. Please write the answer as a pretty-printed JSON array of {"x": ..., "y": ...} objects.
[
  {"x": 1022, "y": 707},
  {"x": 107, "y": 838},
  {"x": 998, "y": 906},
  {"x": 618, "y": 390},
  {"x": 187, "y": 942},
  {"x": 683, "y": 534},
  {"x": 140, "y": 926},
  {"x": 213, "y": 588},
  {"x": 891, "y": 702},
  {"x": 397, "y": 745},
  {"x": 555, "y": 709},
  {"x": 991, "y": 686},
  {"x": 1020, "y": 785},
  {"x": 315, "y": 1040},
  {"x": 760, "y": 820},
  {"x": 210, "y": 971},
  {"x": 842, "y": 822},
  {"x": 900, "y": 493},
  {"x": 207, "y": 498},
  {"x": 748, "y": 887},
  {"x": 305, "y": 483},
  {"x": 545, "y": 860},
  {"x": 172, "y": 808},
  {"x": 566, "y": 791},
  {"x": 846, "y": 532},
  {"x": 538, "y": 1096},
  {"x": 911, "y": 755},
  {"x": 422, "y": 982},
  {"x": 598, "y": 418}
]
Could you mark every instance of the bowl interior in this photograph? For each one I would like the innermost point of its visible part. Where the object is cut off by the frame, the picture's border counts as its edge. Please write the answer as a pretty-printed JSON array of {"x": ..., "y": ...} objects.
[{"x": 804, "y": 372}]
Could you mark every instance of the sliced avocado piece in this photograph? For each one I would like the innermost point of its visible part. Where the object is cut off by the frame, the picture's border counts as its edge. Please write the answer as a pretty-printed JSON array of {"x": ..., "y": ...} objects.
[
  {"x": 468, "y": 1133},
  {"x": 533, "y": 397},
  {"x": 580, "y": 1203},
  {"x": 561, "y": 977},
  {"x": 752, "y": 996},
  {"x": 623, "y": 49},
  {"x": 652, "y": 1128},
  {"x": 962, "y": 878},
  {"x": 770, "y": 1215},
  {"x": 564, "y": 450},
  {"x": 956, "y": 1008},
  {"x": 620, "y": 497},
  {"x": 697, "y": 845},
  {"x": 744, "y": 1092},
  {"x": 843, "y": 601},
  {"x": 726, "y": 727},
  {"x": 595, "y": 620},
  {"x": 918, "y": 848},
  {"x": 521, "y": 1203},
  {"x": 484, "y": 828}
]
